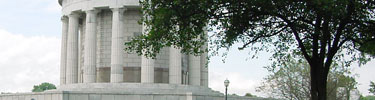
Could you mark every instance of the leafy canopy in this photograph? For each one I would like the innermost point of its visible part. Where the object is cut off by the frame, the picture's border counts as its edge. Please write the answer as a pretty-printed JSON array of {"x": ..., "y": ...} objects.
[{"x": 287, "y": 23}]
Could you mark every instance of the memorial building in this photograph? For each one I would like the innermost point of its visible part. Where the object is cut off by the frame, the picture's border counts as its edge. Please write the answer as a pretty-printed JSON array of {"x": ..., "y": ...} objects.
[
  {"x": 94, "y": 65},
  {"x": 92, "y": 51}
]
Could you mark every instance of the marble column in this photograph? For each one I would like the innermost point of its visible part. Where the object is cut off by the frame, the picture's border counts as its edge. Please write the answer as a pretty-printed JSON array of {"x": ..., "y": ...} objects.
[
  {"x": 89, "y": 71},
  {"x": 72, "y": 50},
  {"x": 117, "y": 46},
  {"x": 147, "y": 66},
  {"x": 194, "y": 70},
  {"x": 204, "y": 61},
  {"x": 204, "y": 67},
  {"x": 65, "y": 26},
  {"x": 175, "y": 68}
]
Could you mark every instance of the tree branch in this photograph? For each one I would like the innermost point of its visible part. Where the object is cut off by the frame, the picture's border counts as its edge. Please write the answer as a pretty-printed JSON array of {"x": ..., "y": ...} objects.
[
  {"x": 316, "y": 35},
  {"x": 336, "y": 45},
  {"x": 258, "y": 37},
  {"x": 326, "y": 37},
  {"x": 298, "y": 38}
]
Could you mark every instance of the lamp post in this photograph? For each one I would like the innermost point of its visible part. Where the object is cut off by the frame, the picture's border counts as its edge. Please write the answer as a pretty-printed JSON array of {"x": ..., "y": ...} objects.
[{"x": 226, "y": 84}]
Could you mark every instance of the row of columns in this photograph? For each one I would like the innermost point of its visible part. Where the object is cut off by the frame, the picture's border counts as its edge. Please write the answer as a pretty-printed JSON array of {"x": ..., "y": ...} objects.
[{"x": 69, "y": 54}]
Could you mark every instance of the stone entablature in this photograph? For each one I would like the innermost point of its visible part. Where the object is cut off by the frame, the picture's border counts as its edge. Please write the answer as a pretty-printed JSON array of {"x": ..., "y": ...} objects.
[{"x": 69, "y": 6}]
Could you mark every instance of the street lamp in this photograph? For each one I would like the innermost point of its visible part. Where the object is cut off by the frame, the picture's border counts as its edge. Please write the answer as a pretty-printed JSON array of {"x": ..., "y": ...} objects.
[{"x": 226, "y": 84}]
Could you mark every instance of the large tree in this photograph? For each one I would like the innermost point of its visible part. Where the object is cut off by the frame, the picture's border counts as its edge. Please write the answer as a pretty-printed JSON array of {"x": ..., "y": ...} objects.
[{"x": 320, "y": 30}]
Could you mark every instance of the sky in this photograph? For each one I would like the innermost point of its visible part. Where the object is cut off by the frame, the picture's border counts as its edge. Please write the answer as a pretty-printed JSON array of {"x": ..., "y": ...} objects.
[{"x": 30, "y": 37}]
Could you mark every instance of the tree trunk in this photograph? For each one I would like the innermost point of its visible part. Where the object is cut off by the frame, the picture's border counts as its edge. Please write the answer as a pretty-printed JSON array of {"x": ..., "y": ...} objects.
[
  {"x": 347, "y": 94},
  {"x": 322, "y": 89},
  {"x": 314, "y": 87},
  {"x": 318, "y": 82}
]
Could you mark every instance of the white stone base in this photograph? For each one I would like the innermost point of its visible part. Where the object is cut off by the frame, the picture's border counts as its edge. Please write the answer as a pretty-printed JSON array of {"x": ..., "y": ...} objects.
[{"x": 124, "y": 91}]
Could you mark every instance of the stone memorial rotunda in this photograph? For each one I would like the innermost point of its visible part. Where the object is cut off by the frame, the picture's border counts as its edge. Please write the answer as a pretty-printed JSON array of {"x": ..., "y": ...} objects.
[
  {"x": 94, "y": 65},
  {"x": 93, "y": 37}
]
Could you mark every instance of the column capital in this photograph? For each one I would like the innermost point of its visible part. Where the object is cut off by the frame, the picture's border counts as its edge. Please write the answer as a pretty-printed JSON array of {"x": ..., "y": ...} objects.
[
  {"x": 74, "y": 15},
  {"x": 121, "y": 10},
  {"x": 92, "y": 11},
  {"x": 91, "y": 15},
  {"x": 64, "y": 19}
]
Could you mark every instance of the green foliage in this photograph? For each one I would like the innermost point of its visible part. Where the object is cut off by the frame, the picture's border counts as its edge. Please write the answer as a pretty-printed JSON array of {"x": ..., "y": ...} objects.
[
  {"x": 182, "y": 23},
  {"x": 348, "y": 83},
  {"x": 43, "y": 87},
  {"x": 161, "y": 21},
  {"x": 322, "y": 31},
  {"x": 372, "y": 88},
  {"x": 250, "y": 95},
  {"x": 367, "y": 98},
  {"x": 368, "y": 48}
]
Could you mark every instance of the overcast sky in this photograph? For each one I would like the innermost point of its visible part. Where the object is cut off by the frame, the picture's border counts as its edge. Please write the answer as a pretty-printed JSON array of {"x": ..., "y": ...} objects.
[{"x": 30, "y": 32}]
